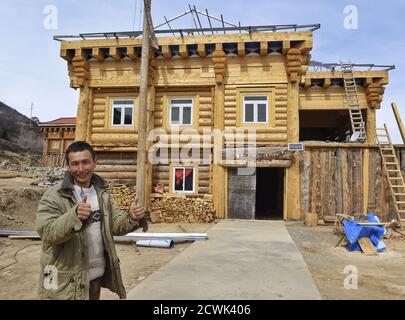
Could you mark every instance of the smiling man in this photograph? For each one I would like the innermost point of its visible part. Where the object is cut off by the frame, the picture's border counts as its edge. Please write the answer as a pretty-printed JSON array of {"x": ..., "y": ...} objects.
[{"x": 76, "y": 221}]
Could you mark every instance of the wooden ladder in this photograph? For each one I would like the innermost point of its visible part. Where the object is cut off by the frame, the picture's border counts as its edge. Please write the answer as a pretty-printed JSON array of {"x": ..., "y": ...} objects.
[
  {"x": 352, "y": 101},
  {"x": 393, "y": 172}
]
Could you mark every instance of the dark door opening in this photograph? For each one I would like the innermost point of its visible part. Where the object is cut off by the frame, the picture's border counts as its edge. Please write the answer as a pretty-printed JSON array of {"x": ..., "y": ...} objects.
[{"x": 269, "y": 193}]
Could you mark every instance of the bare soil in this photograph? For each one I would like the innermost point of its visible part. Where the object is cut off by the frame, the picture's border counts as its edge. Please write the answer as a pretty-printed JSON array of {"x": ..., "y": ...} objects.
[
  {"x": 19, "y": 259},
  {"x": 379, "y": 277}
]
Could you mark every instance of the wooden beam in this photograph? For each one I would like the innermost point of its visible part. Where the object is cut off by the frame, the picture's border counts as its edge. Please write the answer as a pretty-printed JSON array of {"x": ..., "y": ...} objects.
[
  {"x": 286, "y": 46},
  {"x": 241, "y": 49},
  {"x": 307, "y": 83},
  {"x": 82, "y": 113},
  {"x": 366, "y": 174},
  {"x": 399, "y": 121},
  {"x": 67, "y": 54},
  {"x": 293, "y": 173},
  {"x": 97, "y": 53},
  {"x": 197, "y": 39},
  {"x": 183, "y": 50},
  {"x": 131, "y": 53},
  {"x": 201, "y": 50},
  {"x": 114, "y": 53},
  {"x": 218, "y": 173},
  {"x": 371, "y": 126},
  {"x": 264, "y": 47},
  {"x": 166, "y": 52}
]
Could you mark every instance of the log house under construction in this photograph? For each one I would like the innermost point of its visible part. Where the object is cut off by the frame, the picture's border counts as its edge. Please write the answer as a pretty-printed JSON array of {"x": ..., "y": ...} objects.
[{"x": 258, "y": 78}]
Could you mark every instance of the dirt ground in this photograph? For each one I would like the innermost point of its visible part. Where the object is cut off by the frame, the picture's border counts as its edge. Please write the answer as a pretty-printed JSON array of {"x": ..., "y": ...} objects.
[
  {"x": 379, "y": 277},
  {"x": 19, "y": 259},
  {"x": 19, "y": 262}
]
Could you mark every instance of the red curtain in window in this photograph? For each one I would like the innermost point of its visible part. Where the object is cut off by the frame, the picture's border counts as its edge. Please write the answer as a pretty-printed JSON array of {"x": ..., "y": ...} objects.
[
  {"x": 179, "y": 175},
  {"x": 188, "y": 171}
]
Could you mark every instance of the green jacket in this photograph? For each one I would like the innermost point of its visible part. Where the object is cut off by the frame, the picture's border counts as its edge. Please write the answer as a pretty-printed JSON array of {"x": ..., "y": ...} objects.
[{"x": 65, "y": 247}]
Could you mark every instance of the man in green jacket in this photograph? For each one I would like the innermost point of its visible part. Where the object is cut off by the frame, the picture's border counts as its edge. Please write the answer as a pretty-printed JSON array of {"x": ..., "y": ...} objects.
[{"x": 76, "y": 221}]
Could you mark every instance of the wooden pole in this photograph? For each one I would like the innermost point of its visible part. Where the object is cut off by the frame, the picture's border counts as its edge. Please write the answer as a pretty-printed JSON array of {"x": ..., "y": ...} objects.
[
  {"x": 293, "y": 191},
  {"x": 399, "y": 121},
  {"x": 143, "y": 96}
]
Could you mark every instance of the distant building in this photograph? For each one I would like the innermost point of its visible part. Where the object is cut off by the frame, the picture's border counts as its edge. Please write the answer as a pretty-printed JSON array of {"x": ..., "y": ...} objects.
[{"x": 58, "y": 135}]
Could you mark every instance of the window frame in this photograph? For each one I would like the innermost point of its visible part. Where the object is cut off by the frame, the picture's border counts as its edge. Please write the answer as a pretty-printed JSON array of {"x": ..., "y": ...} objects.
[
  {"x": 192, "y": 105},
  {"x": 122, "y": 124},
  {"x": 173, "y": 174},
  {"x": 264, "y": 90},
  {"x": 255, "y": 109},
  {"x": 50, "y": 144}
]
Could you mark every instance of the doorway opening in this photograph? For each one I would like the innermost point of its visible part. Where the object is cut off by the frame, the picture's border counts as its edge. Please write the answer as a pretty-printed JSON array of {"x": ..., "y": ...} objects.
[{"x": 269, "y": 193}]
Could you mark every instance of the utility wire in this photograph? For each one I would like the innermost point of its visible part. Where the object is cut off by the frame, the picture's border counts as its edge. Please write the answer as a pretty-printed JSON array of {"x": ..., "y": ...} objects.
[
  {"x": 140, "y": 15},
  {"x": 135, "y": 7}
]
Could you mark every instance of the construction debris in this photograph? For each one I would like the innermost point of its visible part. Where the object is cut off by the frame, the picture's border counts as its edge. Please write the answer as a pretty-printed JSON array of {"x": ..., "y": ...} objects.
[
  {"x": 165, "y": 236},
  {"x": 133, "y": 236},
  {"x": 155, "y": 243},
  {"x": 182, "y": 210}
]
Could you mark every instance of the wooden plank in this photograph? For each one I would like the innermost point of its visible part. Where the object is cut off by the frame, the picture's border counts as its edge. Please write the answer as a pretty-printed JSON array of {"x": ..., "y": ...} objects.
[
  {"x": 365, "y": 175},
  {"x": 379, "y": 186},
  {"x": 399, "y": 121},
  {"x": 372, "y": 180},
  {"x": 367, "y": 247},
  {"x": 332, "y": 196},
  {"x": 339, "y": 182},
  {"x": 324, "y": 183},
  {"x": 346, "y": 182},
  {"x": 305, "y": 180},
  {"x": 357, "y": 182},
  {"x": 317, "y": 193}
]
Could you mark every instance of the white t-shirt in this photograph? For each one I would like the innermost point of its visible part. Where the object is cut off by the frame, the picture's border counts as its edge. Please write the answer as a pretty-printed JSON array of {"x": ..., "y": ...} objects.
[{"x": 93, "y": 233}]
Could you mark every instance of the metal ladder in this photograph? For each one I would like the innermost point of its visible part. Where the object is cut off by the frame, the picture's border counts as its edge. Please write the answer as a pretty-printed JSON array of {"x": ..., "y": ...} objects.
[
  {"x": 393, "y": 172},
  {"x": 352, "y": 101}
]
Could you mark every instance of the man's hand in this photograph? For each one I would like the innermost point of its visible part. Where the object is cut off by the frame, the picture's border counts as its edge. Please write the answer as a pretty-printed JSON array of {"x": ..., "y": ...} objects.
[
  {"x": 83, "y": 209},
  {"x": 136, "y": 211}
]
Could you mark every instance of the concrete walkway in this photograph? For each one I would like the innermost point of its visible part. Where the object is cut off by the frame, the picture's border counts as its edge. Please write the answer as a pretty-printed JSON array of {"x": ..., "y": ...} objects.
[{"x": 242, "y": 259}]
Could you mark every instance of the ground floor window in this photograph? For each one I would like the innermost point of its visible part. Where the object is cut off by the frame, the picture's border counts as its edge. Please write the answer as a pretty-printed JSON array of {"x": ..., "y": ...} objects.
[{"x": 183, "y": 179}]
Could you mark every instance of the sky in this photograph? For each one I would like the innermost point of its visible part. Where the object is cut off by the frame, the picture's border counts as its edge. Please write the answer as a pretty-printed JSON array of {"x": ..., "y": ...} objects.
[{"x": 31, "y": 70}]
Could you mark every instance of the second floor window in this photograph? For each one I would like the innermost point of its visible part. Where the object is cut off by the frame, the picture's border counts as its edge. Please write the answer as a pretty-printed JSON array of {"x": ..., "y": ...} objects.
[
  {"x": 255, "y": 109},
  {"x": 122, "y": 112},
  {"x": 181, "y": 112}
]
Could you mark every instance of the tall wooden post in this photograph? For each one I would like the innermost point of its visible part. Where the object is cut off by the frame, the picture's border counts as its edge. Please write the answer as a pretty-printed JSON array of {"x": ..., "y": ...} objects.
[
  {"x": 149, "y": 128},
  {"x": 218, "y": 171},
  {"x": 293, "y": 173},
  {"x": 371, "y": 125},
  {"x": 143, "y": 97},
  {"x": 218, "y": 174},
  {"x": 82, "y": 113},
  {"x": 294, "y": 69},
  {"x": 80, "y": 70}
]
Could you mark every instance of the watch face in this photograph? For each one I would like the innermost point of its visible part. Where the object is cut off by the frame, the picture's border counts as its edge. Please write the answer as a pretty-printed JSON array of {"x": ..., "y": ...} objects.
[{"x": 96, "y": 215}]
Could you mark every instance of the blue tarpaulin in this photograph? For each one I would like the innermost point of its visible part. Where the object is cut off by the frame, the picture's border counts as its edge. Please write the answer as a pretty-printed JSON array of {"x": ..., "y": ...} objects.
[{"x": 354, "y": 231}]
